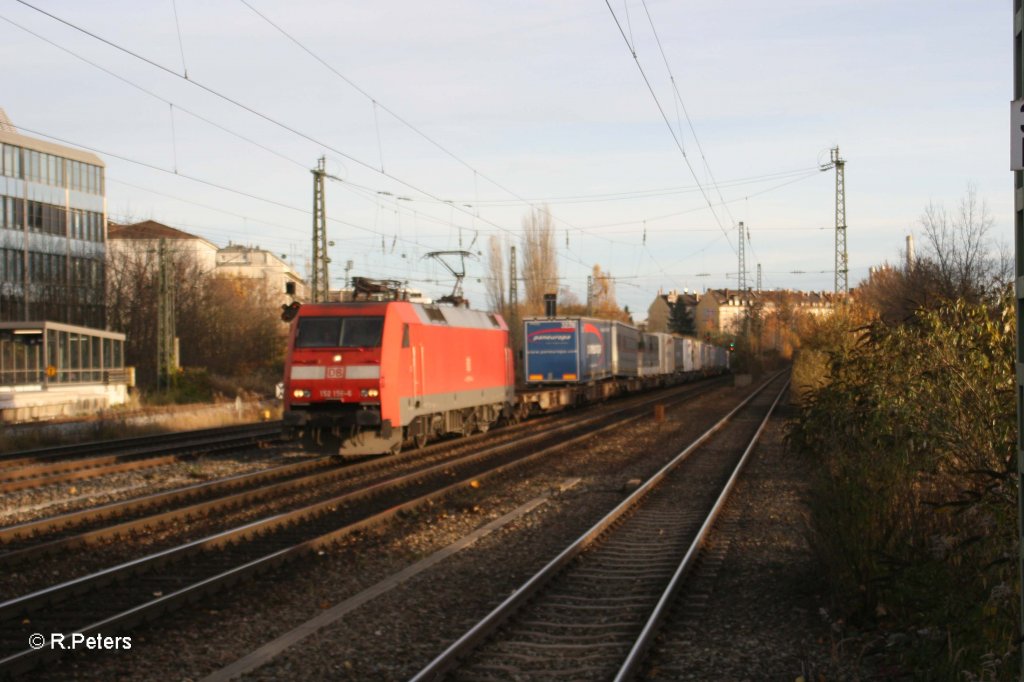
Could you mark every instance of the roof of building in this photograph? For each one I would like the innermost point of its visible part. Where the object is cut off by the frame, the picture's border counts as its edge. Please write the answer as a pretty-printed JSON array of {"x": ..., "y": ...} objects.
[
  {"x": 10, "y": 135},
  {"x": 777, "y": 296},
  {"x": 147, "y": 229},
  {"x": 687, "y": 297},
  {"x": 690, "y": 299}
]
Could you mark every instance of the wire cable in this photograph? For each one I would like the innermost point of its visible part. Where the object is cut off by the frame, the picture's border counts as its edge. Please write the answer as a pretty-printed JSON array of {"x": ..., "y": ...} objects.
[
  {"x": 376, "y": 103},
  {"x": 247, "y": 108},
  {"x": 689, "y": 121},
  {"x": 153, "y": 94},
  {"x": 661, "y": 110}
]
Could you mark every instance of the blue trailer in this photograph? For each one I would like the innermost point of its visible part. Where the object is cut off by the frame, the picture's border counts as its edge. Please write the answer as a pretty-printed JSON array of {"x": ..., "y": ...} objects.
[{"x": 567, "y": 350}]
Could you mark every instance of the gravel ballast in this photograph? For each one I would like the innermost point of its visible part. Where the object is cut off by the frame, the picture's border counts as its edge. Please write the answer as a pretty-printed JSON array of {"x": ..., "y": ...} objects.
[{"x": 395, "y": 634}]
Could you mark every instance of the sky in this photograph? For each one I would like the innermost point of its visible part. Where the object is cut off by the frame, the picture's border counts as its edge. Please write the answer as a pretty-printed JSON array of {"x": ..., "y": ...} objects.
[{"x": 445, "y": 124}]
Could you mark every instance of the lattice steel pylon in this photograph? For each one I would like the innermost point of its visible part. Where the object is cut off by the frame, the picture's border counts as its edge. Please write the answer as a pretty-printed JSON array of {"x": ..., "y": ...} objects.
[
  {"x": 842, "y": 259},
  {"x": 513, "y": 284},
  {"x": 741, "y": 279},
  {"x": 320, "y": 284},
  {"x": 515, "y": 330},
  {"x": 166, "y": 360}
]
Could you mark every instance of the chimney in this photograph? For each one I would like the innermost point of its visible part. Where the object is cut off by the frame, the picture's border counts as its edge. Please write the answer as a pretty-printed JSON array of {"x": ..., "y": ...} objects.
[{"x": 910, "y": 252}]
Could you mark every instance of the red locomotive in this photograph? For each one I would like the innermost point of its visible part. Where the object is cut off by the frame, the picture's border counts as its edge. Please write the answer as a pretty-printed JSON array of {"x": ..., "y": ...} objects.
[{"x": 365, "y": 376}]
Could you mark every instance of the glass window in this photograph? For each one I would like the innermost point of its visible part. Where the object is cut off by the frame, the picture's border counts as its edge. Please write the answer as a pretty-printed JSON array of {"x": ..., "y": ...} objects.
[
  {"x": 75, "y": 351},
  {"x": 361, "y": 332},
  {"x": 95, "y": 359},
  {"x": 63, "y": 355},
  {"x": 339, "y": 332},
  {"x": 52, "y": 349},
  {"x": 318, "y": 332},
  {"x": 35, "y": 215}
]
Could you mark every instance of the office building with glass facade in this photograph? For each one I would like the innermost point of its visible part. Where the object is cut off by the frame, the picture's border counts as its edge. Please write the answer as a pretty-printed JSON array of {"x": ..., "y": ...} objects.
[{"x": 52, "y": 232}]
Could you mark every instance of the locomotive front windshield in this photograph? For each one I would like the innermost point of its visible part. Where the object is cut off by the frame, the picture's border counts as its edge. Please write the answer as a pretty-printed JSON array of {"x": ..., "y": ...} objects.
[{"x": 339, "y": 332}]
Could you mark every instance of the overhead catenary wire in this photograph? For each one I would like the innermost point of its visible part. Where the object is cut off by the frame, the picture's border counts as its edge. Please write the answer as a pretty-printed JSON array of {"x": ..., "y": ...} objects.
[
  {"x": 237, "y": 103},
  {"x": 649, "y": 193},
  {"x": 581, "y": 249},
  {"x": 181, "y": 45},
  {"x": 694, "y": 210},
  {"x": 689, "y": 121},
  {"x": 200, "y": 204},
  {"x": 475, "y": 215},
  {"x": 532, "y": 204},
  {"x": 661, "y": 110},
  {"x": 152, "y": 94},
  {"x": 212, "y": 91},
  {"x": 192, "y": 178}
]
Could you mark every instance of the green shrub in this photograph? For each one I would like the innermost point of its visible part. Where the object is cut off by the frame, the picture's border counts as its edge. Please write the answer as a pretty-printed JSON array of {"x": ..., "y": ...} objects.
[
  {"x": 915, "y": 499},
  {"x": 191, "y": 385}
]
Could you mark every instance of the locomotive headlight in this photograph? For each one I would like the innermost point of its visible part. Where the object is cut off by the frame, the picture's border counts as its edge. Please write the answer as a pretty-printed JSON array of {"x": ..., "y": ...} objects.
[
  {"x": 337, "y": 358},
  {"x": 369, "y": 392},
  {"x": 301, "y": 393}
]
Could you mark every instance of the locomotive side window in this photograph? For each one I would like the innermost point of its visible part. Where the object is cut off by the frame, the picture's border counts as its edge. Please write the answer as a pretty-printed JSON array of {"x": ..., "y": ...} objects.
[{"x": 339, "y": 332}]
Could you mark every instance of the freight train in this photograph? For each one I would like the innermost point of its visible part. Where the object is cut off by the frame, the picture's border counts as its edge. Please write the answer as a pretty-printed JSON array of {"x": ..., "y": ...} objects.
[{"x": 366, "y": 377}]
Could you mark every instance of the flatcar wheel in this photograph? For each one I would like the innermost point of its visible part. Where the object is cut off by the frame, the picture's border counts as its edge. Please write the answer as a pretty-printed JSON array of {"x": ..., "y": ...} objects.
[{"x": 420, "y": 440}]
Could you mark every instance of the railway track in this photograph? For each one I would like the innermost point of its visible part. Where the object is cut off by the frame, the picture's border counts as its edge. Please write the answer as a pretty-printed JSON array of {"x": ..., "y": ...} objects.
[
  {"x": 145, "y": 588},
  {"x": 592, "y": 612},
  {"x": 36, "y": 538},
  {"x": 36, "y": 468}
]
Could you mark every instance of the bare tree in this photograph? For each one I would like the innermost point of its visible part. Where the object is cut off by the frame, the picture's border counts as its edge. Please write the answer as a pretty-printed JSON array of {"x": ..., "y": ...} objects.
[
  {"x": 229, "y": 326},
  {"x": 495, "y": 282},
  {"x": 958, "y": 260},
  {"x": 602, "y": 295},
  {"x": 540, "y": 264},
  {"x": 957, "y": 254}
]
